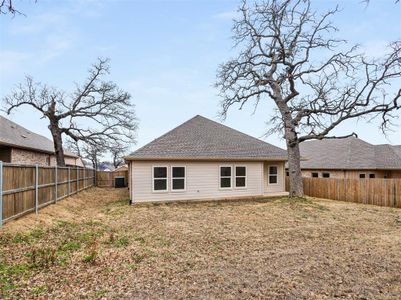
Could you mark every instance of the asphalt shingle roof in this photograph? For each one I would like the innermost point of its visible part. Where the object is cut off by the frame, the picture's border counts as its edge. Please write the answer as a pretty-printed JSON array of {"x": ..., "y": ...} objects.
[
  {"x": 201, "y": 138},
  {"x": 12, "y": 134},
  {"x": 349, "y": 153}
]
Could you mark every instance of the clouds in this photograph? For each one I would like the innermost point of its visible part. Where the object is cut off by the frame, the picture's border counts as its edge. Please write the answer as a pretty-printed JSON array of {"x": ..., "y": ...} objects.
[{"x": 227, "y": 15}]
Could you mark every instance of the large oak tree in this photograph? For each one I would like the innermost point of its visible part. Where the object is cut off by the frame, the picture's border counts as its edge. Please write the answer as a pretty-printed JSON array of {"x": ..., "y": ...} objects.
[
  {"x": 97, "y": 112},
  {"x": 290, "y": 54}
]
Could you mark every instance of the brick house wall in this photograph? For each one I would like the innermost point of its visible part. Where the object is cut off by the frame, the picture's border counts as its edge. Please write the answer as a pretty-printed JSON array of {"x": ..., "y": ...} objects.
[{"x": 22, "y": 156}]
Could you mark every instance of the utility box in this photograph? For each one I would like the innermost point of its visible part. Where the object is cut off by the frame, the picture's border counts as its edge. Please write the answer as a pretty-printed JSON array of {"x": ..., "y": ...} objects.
[{"x": 119, "y": 181}]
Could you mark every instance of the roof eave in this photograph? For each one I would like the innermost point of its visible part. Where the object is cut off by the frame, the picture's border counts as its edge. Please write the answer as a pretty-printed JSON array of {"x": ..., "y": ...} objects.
[
  {"x": 159, "y": 158},
  {"x": 35, "y": 149}
]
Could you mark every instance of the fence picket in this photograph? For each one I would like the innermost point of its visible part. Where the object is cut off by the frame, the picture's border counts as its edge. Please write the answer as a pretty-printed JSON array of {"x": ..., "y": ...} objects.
[
  {"x": 376, "y": 191},
  {"x": 28, "y": 188}
]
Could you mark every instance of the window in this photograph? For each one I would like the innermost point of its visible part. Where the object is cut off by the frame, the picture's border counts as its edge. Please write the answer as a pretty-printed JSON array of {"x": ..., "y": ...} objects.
[
  {"x": 326, "y": 175},
  {"x": 314, "y": 174},
  {"x": 372, "y": 176},
  {"x": 273, "y": 175},
  {"x": 240, "y": 176},
  {"x": 160, "y": 179},
  {"x": 362, "y": 176},
  {"x": 287, "y": 173},
  {"x": 178, "y": 178},
  {"x": 225, "y": 177}
]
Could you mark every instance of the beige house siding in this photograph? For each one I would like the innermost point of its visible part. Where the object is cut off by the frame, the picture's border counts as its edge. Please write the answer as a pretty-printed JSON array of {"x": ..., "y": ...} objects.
[
  {"x": 202, "y": 181},
  {"x": 73, "y": 161},
  {"x": 274, "y": 188},
  {"x": 353, "y": 174}
]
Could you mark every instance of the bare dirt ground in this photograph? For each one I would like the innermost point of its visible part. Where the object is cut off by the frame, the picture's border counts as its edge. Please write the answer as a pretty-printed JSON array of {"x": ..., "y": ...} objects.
[{"x": 95, "y": 246}]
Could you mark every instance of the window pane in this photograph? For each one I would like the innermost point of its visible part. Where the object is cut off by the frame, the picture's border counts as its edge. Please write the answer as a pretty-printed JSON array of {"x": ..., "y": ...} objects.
[
  {"x": 178, "y": 184},
  {"x": 240, "y": 171},
  {"x": 361, "y": 175},
  {"x": 272, "y": 170},
  {"x": 225, "y": 182},
  {"x": 225, "y": 171},
  {"x": 160, "y": 172},
  {"x": 372, "y": 175},
  {"x": 178, "y": 172},
  {"x": 273, "y": 179},
  {"x": 315, "y": 174},
  {"x": 160, "y": 184},
  {"x": 326, "y": 175},
  {"x": 240, "y": 181}
]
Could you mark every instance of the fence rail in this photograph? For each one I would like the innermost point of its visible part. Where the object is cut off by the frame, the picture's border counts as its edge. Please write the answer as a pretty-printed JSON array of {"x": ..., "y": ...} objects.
[
  {"x": 377, "y": 191},
  {"x": 27, "y": 188}
]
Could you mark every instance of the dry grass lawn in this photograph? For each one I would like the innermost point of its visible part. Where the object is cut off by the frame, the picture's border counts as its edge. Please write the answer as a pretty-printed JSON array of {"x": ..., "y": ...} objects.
[{"x": 95, "y": 246}]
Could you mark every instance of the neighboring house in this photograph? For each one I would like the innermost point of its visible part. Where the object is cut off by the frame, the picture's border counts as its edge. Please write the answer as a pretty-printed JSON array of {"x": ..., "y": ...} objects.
[
  {"x": 105, "y": 166},
  {"x": 203, "y": 159},
  {"x": 350, "y": 158},
  {"x": 21, "y": 146},
  {"x": 121, "y": 168}
]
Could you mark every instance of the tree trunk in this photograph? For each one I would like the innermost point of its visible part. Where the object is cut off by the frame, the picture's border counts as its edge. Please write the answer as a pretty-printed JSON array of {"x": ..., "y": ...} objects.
[
  {"x": 294, "y": 168},
  {"x": 294, "y": 159},
  {"x": 58, "y": 144}
]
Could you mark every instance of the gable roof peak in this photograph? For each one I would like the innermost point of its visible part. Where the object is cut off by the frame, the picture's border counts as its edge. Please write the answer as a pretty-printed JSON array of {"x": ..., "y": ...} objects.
[{"x": 202, "y": 138}]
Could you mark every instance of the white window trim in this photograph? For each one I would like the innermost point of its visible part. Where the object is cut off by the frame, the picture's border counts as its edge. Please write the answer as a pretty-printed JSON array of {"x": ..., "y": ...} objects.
[
  {"x": 231, "y": 177},
  {"x": 153, "y": 180},
  {"x": 171, "y": 179},
  {"x": 235, "y": 178},
  {"x": 268, "y": 175}
]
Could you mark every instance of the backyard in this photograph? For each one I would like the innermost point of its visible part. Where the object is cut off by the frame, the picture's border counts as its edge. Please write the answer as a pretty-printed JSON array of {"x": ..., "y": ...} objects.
[{"x": 93, "y": 246}]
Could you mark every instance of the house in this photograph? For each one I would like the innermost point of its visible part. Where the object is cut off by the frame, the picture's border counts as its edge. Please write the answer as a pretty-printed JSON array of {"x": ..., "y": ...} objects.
[
  {"x": 350, "y": 158},
  {"x": 121, "y": 168},
  {"x": 203, "y": 159},
  {"x": 21, "y": 146}
]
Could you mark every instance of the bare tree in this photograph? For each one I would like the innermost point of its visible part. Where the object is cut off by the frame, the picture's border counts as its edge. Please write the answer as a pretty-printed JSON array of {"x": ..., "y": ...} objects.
[
  {"x": 118, "y": 151},
  {"x": 288, "y": 54},
  {"x": 7, "y": 6},
  {"x": 96, "y": 113},
  {"x": 93, "y": 152}
]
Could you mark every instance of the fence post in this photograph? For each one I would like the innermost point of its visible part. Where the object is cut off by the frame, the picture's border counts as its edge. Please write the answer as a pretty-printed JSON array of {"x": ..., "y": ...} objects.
[
  {"x": 77, "y": 180},
  {"x": 36, "y": 187},
  {"x": 55, "y": 170},
  {"x": 69, "y": 181},
  {"x": 1, "y": 193}
]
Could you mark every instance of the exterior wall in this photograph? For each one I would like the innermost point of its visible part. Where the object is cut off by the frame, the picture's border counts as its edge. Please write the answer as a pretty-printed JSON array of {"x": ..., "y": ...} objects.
[
  {"x": 22, "y": 156},
  {"x": 202, "y": 181},
  {"x": 73, "y": 161},
  {"x": 280, "y": 186},
  {"x": 395, "y": 174},
  {"x": 353, "y": 174}
]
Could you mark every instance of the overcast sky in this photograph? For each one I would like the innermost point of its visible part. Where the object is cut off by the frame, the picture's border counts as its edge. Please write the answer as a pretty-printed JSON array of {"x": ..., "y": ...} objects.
[{"x": 165, "y": 53}]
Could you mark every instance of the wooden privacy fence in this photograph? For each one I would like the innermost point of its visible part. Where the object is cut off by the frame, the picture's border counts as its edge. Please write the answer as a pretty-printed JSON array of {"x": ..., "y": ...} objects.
[
  {"x": 27, "y": 188},
  {"x": 377, "y": 191},
  {"x": 106, "y": 179}
]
